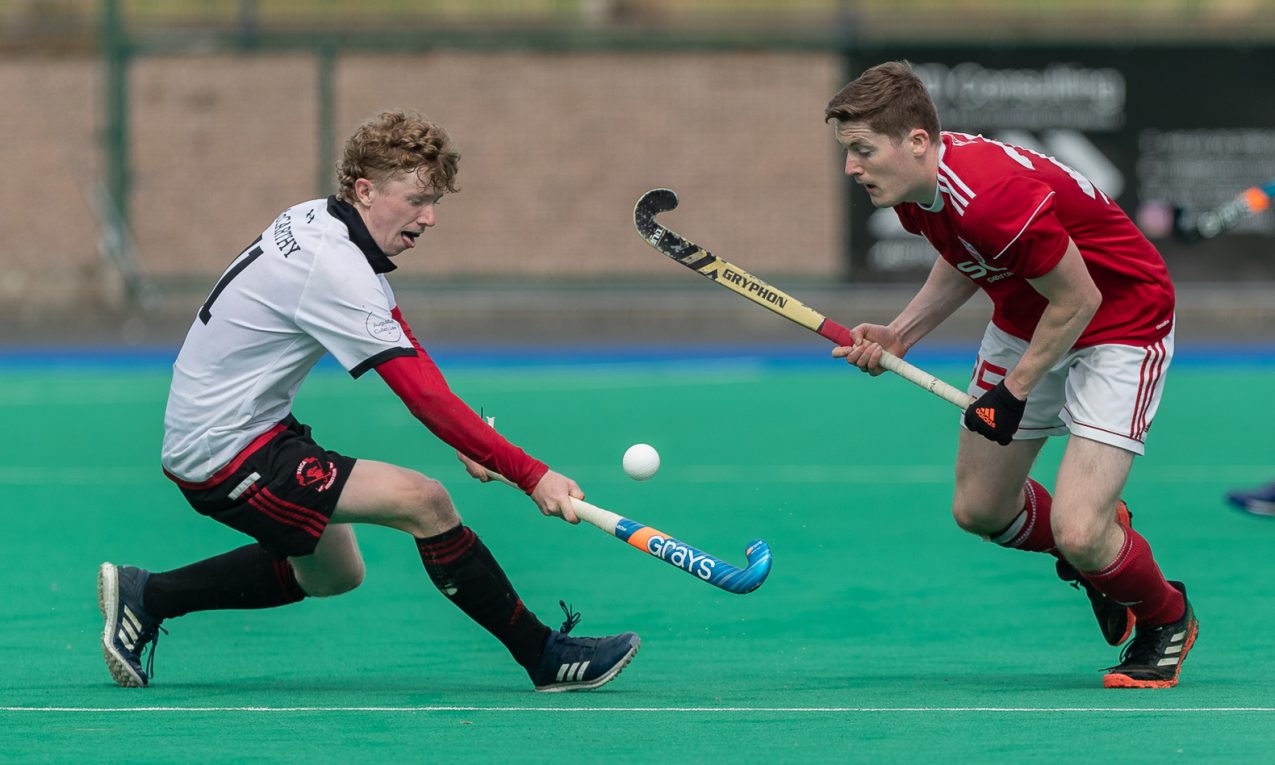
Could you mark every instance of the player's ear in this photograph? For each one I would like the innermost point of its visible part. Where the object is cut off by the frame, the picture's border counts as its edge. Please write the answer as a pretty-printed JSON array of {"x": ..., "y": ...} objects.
[
  {"x": 363, "y": 190},
  {"x": 918, "y": 141}
]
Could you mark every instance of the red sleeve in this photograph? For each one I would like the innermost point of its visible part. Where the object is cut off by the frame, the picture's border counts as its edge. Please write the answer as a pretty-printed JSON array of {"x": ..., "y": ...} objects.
[
  {"x": 417, "y": 381},
  {"x": 398, "y": 316}
]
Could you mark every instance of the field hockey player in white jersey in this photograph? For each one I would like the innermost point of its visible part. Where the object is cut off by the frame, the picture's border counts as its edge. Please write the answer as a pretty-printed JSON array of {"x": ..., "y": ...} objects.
[
  {"x": 314, "y": 283},
  {"x": 1080, "y": 339}
]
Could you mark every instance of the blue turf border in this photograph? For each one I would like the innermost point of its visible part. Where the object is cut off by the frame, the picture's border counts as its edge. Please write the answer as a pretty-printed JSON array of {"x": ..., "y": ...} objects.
[{"x": 790, "y": 355}]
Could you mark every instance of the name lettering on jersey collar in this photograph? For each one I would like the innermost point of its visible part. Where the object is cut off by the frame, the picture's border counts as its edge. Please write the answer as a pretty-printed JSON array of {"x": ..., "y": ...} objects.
[
  {"x": 362, "y": 238},
  {"x": 283, "y": 236}
]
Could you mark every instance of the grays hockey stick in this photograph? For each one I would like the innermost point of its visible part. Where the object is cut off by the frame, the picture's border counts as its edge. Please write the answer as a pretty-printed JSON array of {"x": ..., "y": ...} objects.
[
  {"x": 1190, "y": 226},
  {"x": 676, "y": 553},
  {"x": 672, "y": 551},
  {"x": 739, "y": 281}
]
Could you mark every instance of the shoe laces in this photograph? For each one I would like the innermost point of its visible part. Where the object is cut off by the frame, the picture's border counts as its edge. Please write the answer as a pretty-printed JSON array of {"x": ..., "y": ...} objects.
[
  {"x": 573, "y": 618},
  {"x": 1145, "y": 648},
  {"x": 151, "y": 636}
]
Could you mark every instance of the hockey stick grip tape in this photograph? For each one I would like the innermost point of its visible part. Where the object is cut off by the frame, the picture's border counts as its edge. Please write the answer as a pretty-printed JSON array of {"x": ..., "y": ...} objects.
[{"x": 919, "y": 377}]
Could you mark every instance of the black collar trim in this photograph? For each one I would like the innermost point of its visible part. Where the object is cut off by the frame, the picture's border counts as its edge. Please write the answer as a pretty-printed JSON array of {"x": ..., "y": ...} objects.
[{"x": 362, "y": 238}]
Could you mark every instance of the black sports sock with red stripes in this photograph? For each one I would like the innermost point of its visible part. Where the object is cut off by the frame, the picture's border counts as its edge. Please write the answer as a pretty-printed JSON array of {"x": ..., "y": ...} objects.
[
  {"x": 249, "y": 577},
  {"x": 463, "y": 569}
]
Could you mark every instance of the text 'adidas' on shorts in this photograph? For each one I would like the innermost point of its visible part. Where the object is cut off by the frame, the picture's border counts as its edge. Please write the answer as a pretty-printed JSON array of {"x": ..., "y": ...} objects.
[{"x": 281, "y": 494}]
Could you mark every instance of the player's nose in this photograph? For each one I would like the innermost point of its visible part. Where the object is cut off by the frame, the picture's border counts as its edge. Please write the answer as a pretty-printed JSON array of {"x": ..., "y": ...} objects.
[
  {"x": 853, "y": 168},
  {"x": 427, "y": 217}
]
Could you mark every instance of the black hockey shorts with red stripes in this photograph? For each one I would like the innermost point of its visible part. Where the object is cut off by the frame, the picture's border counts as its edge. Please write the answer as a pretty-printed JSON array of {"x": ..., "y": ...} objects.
[{"x": 281, "y": 494}]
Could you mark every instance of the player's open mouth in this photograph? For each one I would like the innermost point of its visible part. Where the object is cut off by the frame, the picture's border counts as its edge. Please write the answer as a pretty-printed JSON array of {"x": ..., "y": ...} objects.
[{"x": 410, "y": 237}]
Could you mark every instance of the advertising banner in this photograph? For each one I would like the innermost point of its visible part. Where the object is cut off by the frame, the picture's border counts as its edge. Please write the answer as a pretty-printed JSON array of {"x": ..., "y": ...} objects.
[{"x": 1154, "y": 127}]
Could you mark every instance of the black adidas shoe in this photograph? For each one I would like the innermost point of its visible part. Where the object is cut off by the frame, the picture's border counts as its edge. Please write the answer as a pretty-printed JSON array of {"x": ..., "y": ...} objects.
[
  {"x": 1153, "y": 659},
  {"x": 128, "y": 628},
  {"x": 577, "y": 664},
  {"x": 1114, "y": 619}
]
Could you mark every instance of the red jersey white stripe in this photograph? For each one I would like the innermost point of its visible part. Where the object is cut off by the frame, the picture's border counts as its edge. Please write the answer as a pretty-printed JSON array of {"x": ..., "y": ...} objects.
[{"x": 1007, "y": 215}]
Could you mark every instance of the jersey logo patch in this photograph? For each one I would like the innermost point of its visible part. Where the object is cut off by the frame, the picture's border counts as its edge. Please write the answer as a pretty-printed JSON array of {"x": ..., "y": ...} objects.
[
  {"x": 311, "y": 472},
  {"x": 978, "y": 256},
  {"x": 383, "y": 328},
  {"x": 979, "y": 267}
]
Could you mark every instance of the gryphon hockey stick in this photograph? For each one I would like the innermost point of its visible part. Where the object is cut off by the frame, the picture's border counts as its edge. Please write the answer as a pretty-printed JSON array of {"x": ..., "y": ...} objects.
[
  {"x": 674, "y": 552},
  {"x": 1192, "y": 227},
  {"x": 741, "y": 282}
]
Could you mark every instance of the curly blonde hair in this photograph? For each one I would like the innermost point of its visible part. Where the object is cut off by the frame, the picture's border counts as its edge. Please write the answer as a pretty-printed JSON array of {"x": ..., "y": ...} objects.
[{"x": 398, "y": 142}]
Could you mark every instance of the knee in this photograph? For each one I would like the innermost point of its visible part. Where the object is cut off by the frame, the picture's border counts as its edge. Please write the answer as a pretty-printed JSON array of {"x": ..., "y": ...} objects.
[
  {"x": 336, "y": 581},
  {"x": 974, "y": 517},
  {"x": 426, "y": 507},
  {"x": 1080, "y": 543}
]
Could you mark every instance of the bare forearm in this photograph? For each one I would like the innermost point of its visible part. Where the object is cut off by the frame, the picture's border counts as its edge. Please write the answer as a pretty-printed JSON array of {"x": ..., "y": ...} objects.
[
  {"x": 1073, "y": 301},
  {"x": 944, "y": 291},
  {"x": 1059, "y": 327}
]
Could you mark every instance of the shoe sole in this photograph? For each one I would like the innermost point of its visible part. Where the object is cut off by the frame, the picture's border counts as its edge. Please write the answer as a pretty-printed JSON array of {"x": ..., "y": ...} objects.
[
  {"x": 1255, "y": 507},
  {"x": 1124, "y": 516},
  {"x": 1116, "y": 680},
  {"x": 108, "y": 598},
  {"x": 598, "y": 681}
]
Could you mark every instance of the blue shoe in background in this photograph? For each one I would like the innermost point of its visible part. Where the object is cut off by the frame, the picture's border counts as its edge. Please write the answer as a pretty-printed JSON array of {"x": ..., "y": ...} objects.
[{"x": 1257, "y": 501}]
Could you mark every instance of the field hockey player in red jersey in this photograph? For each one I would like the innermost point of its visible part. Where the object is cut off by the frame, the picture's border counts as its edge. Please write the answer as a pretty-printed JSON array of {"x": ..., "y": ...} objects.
[{"x": 1079, "y": 342}]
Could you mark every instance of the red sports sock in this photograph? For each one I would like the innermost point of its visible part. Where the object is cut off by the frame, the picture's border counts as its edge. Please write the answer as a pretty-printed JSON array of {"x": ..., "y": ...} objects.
[
  {"x": 1030, "y": 529},
  {"x": 1134, "y": 579}
]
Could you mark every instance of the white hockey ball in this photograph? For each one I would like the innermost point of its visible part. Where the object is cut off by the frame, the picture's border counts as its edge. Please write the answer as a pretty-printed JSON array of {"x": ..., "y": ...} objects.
[{"x": 641, "y": 461}]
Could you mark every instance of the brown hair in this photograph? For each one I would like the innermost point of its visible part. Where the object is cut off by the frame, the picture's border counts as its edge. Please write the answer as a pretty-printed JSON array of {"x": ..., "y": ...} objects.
[
  {"x": 398, "y": 142},
  {"x": 889, "y": 98}
]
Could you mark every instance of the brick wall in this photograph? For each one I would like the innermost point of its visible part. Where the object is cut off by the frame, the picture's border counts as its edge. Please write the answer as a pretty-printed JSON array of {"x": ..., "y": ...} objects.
[{"x": 556, "y": 149}]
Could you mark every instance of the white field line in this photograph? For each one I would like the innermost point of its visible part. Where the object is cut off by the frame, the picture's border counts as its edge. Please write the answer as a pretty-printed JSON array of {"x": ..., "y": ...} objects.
[{"x": 659, "y": 710}]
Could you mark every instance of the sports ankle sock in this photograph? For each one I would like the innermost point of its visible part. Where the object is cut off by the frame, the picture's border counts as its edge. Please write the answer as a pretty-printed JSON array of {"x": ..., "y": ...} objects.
[
  {"x": 1030, "y": 529},
  {"x": 463, "y": 569},
  {"x": 249, "y": 577},
  {"x": 1135, "y": 578}
]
